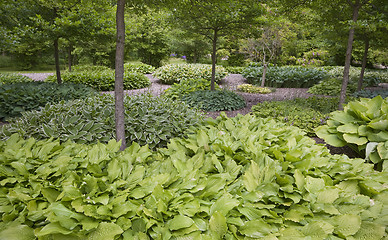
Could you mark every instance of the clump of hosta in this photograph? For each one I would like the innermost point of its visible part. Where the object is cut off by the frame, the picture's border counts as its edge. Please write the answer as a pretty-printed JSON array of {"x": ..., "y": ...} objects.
[
  {"x": 139, "y": 68},
  {"x": 249, "y": 88},
  {"x": 174, "y": 73},
  {"x": 178, "y": 90},
  {"x": 239, "y": 178},
  {"x": 363, "y": 126}
]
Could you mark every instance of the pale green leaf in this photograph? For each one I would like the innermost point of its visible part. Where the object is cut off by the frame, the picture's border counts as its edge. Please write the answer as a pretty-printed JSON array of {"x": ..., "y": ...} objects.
[
  {"x": 217, "y": 225},
  {"x": 179, "y": 222},
  {"x": 105, "y": 231}
]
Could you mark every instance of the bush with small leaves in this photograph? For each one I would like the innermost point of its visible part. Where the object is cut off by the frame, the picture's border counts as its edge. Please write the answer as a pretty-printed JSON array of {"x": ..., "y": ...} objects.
[
  {"x": 7, "y": 78},
  {"x": 174, "y": 73},
  {"x": 212, "y": 101},
  {"x": 148, "y": 120},
  {"x": 20, "y": 97}
]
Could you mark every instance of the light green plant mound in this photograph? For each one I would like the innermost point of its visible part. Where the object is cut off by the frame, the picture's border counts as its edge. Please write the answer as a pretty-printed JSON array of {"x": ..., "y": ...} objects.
[
  {"x": 139, "y": 68},
  {"x": 19, "y": 97},
  {"x": 240, "y": 178},
  {"x": 331, "y": 87},
  {"x": 249, "y": 88},
  {"x": 148, "y": 120},
  {"x": 178, "y": 90},
  {"x": 234, "y": 70},
  {"x": 7, "y": 78},
  {"x": 220, "y": 100},
  {"x": 284, "y": 77},
  {"x": 174, "y": 73},
  {"x": 306, "y": 114},
  {"x": 363, "y": 126},
  {"x": 103, "y": 80}
]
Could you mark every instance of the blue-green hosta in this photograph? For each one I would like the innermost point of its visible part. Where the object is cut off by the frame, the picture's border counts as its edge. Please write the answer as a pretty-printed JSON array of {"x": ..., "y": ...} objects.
[
  {"x": 240, "y": 178},
  {"x": 362, "y": 125}
]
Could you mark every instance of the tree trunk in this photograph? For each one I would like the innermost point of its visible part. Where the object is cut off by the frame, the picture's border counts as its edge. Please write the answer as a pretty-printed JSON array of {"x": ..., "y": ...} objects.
[
  {"x": 345, "y": 81},
  {"x": 214, "y": 59},
  {"x": 364, "y": 60},
  {"x": 69, "y": 56},
  {"x": 264, "y": 70},
  {"x": 56, "y": 57},
  {"x": 119, "y": 74}
]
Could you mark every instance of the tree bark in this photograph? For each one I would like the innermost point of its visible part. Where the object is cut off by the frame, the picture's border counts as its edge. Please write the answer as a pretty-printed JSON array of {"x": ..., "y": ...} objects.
[
  {"x": 345, "y": 81},
  {"x": 69, "y": 57},
  {"x": 56, "y": 57},
  {"x": 214, "y": 60},
  {"x": 364, "y": 60},
  {"x": 119, "y": 74},
  {"x": 264, "y": 70}
]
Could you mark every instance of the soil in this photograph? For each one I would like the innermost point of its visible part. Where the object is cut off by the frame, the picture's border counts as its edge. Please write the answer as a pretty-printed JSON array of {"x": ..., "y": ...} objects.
[{"x": 231, "y": 82}]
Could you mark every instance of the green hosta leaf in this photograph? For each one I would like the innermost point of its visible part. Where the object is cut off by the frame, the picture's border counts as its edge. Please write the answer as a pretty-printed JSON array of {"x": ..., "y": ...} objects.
[
  {"x": 105, "y": 231},
  {"x": 53, "y": 228},
  {"x": 332, "y": 139},
  {"x": 379, "y": 124},
  {"x": 355, "y": 138},
  {"x": 257, "y": 229},
  {"x": 217, "y": 225},
  {"x": 314, "y": 185},
  {"x": 374, "y": 107},
  {"x": 348, "y": 128},
  {"x": 180, "y": 222},
  {"x": 370, "y": 231},
  {"x": 17, "y": 231},
  {"x": 224, "y": 204},
  {"x": 328, "y": 195},
  {"x": 318, "y": 229}
]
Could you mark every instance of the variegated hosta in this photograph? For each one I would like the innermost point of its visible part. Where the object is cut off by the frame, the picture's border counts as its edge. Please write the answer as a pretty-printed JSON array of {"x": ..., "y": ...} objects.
[
  {"x": 362, "y": 125},
  {"x": 239, "y": 178}
]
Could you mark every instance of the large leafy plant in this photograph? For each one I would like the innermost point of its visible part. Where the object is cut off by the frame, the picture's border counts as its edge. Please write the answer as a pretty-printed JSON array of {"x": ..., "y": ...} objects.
[
  {"x": 178, "y": 90},
  {"x": 249, "y": 88},
  {"x": 7, "y": 78},
  {"x": 25, "y": 96},
  {"x": 240, "y": 178},
  {"x": 139, "y": 68},
  {"x": 368, "y": 93},
  {"x": 174, "y": 73},
  {"x": 363, "y": 126},
  {"x": 221, "y": 100},
  {"x": 331, "y": 87},
  {"x": 148, "y": 120}
]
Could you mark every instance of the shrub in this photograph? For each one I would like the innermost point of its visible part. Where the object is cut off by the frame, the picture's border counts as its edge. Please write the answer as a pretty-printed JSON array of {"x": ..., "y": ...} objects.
[
  {"x": 148, "y": 120},
  {"x": 139, "y": 68},
  {"x": 174, "y": 73},
  {"x": 331, "y": 87},
  {"x": 363, "y": 126},
  {"x": 177, "y": 90},
  {"x": 232, "y": 179},
  {"x": 212, "y": 101},
  {"x": 90, "y": 68},
  {"x": 103, "y": 80},
  {"x": 366, "y": 93},
  {"x": 306, "y": 114},
  {"x": 249, "y": 88},
  {"x": 234, "y": 70},
  {"x": 7, "y": 78},
  {"x": 19, "y": 97},
  {"x": 285, "y": 77}
]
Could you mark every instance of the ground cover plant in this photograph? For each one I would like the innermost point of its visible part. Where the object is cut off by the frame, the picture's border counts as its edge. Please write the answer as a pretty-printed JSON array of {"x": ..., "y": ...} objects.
[
  {"x": 148, "y": 120},
  {"x": 363, "y": 126},
  {"x": 371, "y": 77},
  {"x": 284, "y": 77},
  {"x": 174, "y": 73},
  {"x": 7, "y": 78},
  {"x": 139, "y": 68},
  {"x": 367, "y": 93},
  {"x": 211, "y": 101},
  {"x": 90, "y": 68},
  {"x": 306, "y": 114},
  {"x": 103, "y": 80},
  {"x": 234, "y": 70},
  {"x": 239, "y": 178},
  {"x": 17, "y": 98},
  {"x": 249, "y": 88},
  {"x": 332, "y": 87},
  {"x": 178, "y": 90}
]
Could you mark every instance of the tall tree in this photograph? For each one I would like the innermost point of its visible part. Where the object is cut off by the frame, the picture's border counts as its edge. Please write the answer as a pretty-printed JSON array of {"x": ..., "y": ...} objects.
[
  {"x": 119, "y": 74},
  {"x": 216, "y": 18}
]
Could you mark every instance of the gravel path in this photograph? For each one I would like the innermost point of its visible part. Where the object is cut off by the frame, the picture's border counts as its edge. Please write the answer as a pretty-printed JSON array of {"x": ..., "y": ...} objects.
[{"x": 37, "y": 76}]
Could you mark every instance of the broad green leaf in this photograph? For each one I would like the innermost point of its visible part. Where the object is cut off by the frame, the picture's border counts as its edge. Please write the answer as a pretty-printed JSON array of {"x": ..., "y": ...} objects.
[
  {"x": 179, "y": 222},
  {"x": 348, "y": 128},
  {"x": 379, "y": 124},
  {"x": 328, "y": 195},
  {"x": 354, "y": 138},
  {"x": 370, "y": 231},
  {"x": 334, "y": 140},
  {"x": 257, "y": 229},
  {"x": 105, "y": 231},
  {"x": 17, "y": 231},
  {"x": 374, "y": 107},
  {"x": 224, "y": 204},
  {"x": 217, "y": 225},
  {"x": 314, "y": 185},
  {"x": 318, "y": 229},
  {"x": 53, "y": 228}
]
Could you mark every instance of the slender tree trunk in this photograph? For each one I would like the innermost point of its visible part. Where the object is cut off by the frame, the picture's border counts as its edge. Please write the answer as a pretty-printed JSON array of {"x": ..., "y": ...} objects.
[
  {"x": 119, "y": 74},
  {"x": 345, "y": 81},
  {"x": 264, "y": 70},
  {"x": 364, "y": 60},
  {"x": 56, "y": 57},
  {"x": 214, "y": 59},
  {"x": 69, "y": 56}
]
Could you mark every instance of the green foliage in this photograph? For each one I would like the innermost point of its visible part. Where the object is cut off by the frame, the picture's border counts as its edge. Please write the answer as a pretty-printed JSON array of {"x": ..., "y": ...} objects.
[
  {"x": 362, "y": 125},
  {"x": 103, "y": 80},
  {"x": 139, "y": 68},
  {"x": 148, "y": 120},
  {"x": 232, "y": 179},
  {"x": 284, "y": 77},
  {"x": 234, "y": 70},
  {"x": 7, "y": 78},
  {"x": 212, "y": 101},
  {"x": 249, "y": 88},
  {"x": 178, "y": 90},
  {"x": 371, "y": 77},
  {"x": 331, "y": 87},
  {"x": 19, "y": 97},
  {"x": 89, "y": 68},
  {"x": 313, "y": 57},
  {"x": 367, "y": 93},
  {"x": 306, "y": 114},
  {"x": 174, "y": 73}
]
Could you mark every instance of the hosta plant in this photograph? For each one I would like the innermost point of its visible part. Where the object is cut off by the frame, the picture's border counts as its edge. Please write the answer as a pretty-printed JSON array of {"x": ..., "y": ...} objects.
[
  {"x": 240, "y": 178},
  {"x": 7, "y": 78},
  {"x": 234, "y": 70},
  {"x": 219, "y": 100},
  {"x": 249, "y": 88},
  {"x": 367, "y": 93},
  {"x": 178, "y": 90},
  {"x": 331, "y": 87},
  {"x": 363, "y": 126},
  {"x": 174, "y": 73},
  {"x": 139, "y": 68},
  {"x": 148, "y": 120},
  {"x": 89, "y": 68}
]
